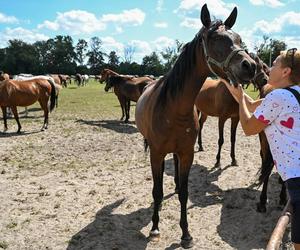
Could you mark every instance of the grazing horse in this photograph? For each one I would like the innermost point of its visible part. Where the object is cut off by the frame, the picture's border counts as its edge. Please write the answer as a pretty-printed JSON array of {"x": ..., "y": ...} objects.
[
  {"x": 79, "y": 79},
  {"x": 214, "y": 99},
  {"x": 127, "y": 89},
  {"x": 64, "y": 79},
  {"x": 165, "y": 113},
  {"x": 15, "y": 93}
]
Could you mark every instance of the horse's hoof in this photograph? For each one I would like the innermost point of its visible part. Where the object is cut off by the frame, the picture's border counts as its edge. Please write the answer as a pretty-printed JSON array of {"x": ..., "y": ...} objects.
[
  {"x": 261, "y": 208},
  {"x": 200, "y": 149},
  {"x": 234, "y": 163},
  {"x": 154, "y": 236},
  {"x": 187, "y": 243}
]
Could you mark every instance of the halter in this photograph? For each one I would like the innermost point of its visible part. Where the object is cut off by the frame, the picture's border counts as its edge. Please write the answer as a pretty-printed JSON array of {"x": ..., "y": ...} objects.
[
  {"x": 222, "y": 65},
  {"x": 257, "y": 75}
]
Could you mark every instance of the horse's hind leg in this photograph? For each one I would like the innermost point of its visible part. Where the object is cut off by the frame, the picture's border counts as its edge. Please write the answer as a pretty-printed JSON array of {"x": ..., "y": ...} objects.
[
  {"x": 4, "y": 109},
  {"x": 283, "y": 198},
  {"x": 234, "y": 123},
  {"x": 16, "y": 115},
  {"x": 44, "y": 106},
  {"x": 157, "y": 165},
  {"x": 127, "y": 110},
  {"x": 176, "y": 178},
  {"x": 261, "y": 206},
  {"x": 122, "y": 104},
  {"x": 221, "y": 140},
  {"x": 202, "y": 120}
]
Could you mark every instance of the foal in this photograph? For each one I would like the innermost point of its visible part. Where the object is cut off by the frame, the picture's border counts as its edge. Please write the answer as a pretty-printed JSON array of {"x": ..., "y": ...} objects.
[
  {"x": 165, "y": 113},
  {"x": 214, "y": 99}
]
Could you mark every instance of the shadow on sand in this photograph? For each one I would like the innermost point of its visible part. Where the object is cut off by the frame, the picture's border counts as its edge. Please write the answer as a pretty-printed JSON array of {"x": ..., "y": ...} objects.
[{"x": 117, "y": 126}]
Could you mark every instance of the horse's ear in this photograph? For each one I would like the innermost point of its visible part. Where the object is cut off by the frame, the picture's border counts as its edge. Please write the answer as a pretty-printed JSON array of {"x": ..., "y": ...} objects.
[
  {"x": 205, "y": 16},
  {"x": 230, "y": 21}
]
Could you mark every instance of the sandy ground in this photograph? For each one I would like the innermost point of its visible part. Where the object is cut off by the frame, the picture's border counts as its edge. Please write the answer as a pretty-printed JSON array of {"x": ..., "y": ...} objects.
[{"x": 86, "y": 184}]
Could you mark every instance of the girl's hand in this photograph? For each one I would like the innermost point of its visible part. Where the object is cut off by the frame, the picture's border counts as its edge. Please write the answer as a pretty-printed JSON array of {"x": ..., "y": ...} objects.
[{"x": 237, "y": 92}]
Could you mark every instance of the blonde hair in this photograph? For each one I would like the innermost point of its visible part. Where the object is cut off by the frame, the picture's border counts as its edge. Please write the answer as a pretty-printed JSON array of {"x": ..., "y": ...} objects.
[{"x": 287, "y": 60}]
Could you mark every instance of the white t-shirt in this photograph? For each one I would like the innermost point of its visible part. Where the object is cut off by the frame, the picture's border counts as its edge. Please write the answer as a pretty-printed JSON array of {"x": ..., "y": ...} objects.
[{"x": 281, "y": 110}]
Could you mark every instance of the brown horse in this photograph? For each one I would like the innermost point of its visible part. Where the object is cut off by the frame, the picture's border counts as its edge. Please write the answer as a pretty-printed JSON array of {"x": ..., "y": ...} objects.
[
  {"x": 214, "y": 99},
  {"x": 267, "y": 164},
  {"x": 106, "y": 73},
  {"x": 24, "y": 93},
  {"x": 165, "y": 113},
  {"x": 127, "y": 89}
]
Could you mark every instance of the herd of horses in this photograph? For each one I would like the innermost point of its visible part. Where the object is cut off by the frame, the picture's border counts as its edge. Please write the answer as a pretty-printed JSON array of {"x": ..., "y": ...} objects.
[{"x": 167, "y": 109}]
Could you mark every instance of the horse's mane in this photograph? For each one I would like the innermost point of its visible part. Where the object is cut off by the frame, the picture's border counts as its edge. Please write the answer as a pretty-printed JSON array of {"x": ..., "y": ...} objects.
[{"x": 174, "y": 80}]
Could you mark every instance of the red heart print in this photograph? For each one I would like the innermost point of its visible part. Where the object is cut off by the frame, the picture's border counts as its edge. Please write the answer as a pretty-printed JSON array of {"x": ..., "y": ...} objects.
[
  {"x": 262, "y": 119},
  {"x": 275, "y": 105},
  {"x": 289, "y": 123}
]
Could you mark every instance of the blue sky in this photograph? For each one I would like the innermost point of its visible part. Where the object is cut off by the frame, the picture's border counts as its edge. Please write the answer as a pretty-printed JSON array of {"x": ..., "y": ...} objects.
[{"x": 146, "y": 25}]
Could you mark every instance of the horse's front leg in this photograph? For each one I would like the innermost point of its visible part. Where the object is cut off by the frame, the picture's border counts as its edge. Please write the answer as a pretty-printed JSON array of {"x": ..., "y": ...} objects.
[
  {"x": 127, "y": 110},
  {"x": 234, "y": 123},
  {"x": 157, "y": 166},
  {"x": 122, "y": 104},
  {"x": 16, "y": 115},
  {"x": 4, "y": 109},
  {"x": 185, "y": 161}
]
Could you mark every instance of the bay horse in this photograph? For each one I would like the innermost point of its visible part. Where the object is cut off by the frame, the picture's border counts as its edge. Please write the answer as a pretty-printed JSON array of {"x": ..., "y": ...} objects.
[
  {"x": 165, "y": 113},
  {"x": 15, "y": 93},
  {"x": 127, "y": 89},
  {"x": 105, "y": 74},
  {"x": 214, "y": 99}
]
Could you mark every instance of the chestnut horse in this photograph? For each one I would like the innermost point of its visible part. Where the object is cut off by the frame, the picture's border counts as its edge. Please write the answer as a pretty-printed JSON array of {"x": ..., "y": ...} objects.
[
  {"x": 15, "y": 93},
  {"x": 127, "y": 89},
  {"x": 106, "y": 73},
  {"x": 267, "y": 164},
  {"x": 214, "y": 99},
  {"x": 165, "y": 113}
]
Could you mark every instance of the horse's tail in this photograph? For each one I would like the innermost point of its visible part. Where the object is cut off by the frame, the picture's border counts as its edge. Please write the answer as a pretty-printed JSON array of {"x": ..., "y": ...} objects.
[{"x": 53, "y": 94}]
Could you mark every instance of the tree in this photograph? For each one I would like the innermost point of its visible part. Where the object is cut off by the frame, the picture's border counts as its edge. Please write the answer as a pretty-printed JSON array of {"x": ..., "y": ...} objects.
[
  {"x": 170, "y": 55},
  {"x": 81, "y": 48},
  {"x": 95, "y": 56},
  {"x": 129, "y": 51},
  {"x": 151, "y": 65},
  {"x": 113, "y": 60},
  {"x": 269, "y": 49}
]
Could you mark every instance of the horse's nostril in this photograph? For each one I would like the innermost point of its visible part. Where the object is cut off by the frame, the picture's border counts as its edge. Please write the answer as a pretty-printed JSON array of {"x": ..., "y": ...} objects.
[{"x": 246, "y": 65}]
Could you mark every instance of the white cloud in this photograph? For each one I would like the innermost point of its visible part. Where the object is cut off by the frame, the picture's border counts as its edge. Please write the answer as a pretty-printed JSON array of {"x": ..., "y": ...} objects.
[
  {"x": 7, "y": 19},
  {"x": 159, "y": 5},
  {"x": 161, "y": 25},
  {"x": 194, "y": 23},
  {"x": 75, "y": 22},
  {"x": 21, "y": 34},
  {"x": 280, "y": 24},
  {"x": 163, "y": 42},
  {"x": 110, "y": 44},
  {"x": 216, "y": 7},
  {"x": 134, "y": 17},
  {"x": 269, "y": 3}
]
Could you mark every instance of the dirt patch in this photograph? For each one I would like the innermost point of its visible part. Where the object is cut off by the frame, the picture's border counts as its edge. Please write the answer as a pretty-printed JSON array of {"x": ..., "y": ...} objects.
[{"x": 86, "y": 184}]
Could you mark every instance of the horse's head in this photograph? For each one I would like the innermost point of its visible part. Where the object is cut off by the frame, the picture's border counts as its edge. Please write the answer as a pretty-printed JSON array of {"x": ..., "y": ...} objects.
[
  {"x": 108, "y": 83},
  {"x": 222, "y": 49},
  {"x": 262, "y": 72}
]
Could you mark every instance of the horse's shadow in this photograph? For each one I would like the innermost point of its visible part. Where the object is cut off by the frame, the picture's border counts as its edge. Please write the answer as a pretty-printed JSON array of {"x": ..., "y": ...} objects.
[
  {"x": 241, "y": 226},
  {"x": 110, "y": 230},
  {"x": 117, "y": 126},
  {"x": 15, "y": 134}
]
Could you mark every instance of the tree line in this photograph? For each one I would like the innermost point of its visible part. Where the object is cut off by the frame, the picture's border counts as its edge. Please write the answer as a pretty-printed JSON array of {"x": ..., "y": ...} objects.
[{"x": 60, "y": 55}]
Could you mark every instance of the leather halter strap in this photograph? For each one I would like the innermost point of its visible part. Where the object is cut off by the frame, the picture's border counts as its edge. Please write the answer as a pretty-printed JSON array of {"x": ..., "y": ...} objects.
[{"x": 222, "y": 65}]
